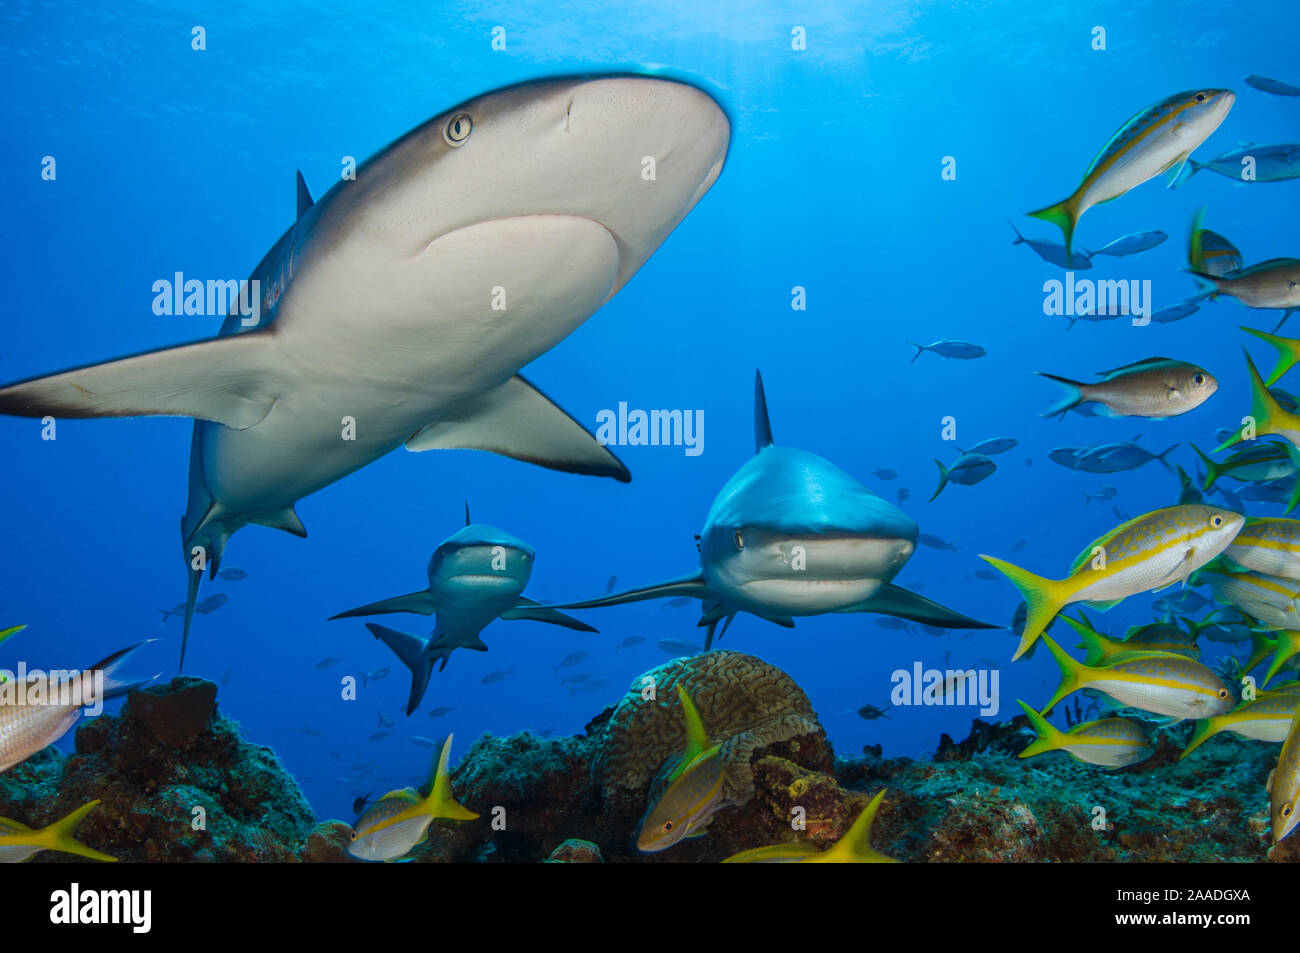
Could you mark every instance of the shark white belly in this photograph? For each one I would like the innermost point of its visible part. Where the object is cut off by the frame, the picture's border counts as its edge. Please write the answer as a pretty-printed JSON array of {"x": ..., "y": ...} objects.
[{"x": 399, "y": 309}]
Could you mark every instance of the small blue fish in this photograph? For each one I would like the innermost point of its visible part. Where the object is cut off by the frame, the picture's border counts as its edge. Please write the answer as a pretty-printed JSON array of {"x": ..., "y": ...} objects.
[
  {"x": 991, "y": 446},
  {"x": 1133, "y": 243},
  {"x": 1274, "y": 86},
  {"x": 960, "y": 350},
  {"x": 969, "y": 469}
]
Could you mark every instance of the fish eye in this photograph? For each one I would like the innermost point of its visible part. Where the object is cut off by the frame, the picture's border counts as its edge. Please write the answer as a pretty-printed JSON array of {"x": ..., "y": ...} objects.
[
  {"x": 1286, "y": 811},
  {"x": 1223, "y": 693},
  {"x": 739, "y": 539},
  {"x": 1216, "y": 521},
  {"x": 668, "y": 825},
  {"x": 1200, "y": 97},
  {"x": 1198, "y": 379},
  {"x": 457, "y": 129}
]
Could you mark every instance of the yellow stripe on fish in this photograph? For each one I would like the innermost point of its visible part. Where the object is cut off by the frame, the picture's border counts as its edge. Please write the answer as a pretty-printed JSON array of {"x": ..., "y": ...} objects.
[
  {"x": 1270, "y": 546},
  {"x": 1164, "y": 684},
  {"x": 1264, "y": 719},
  {"x": 1109, "y": 742},
  {"x": 1147, "y": 553},
  {"x": 1284, "y": 784},
  {"x": 1156, "y": 140}
]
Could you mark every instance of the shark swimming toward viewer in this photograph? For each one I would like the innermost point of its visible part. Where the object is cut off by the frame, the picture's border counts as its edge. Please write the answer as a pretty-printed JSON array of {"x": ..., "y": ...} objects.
[
  {"x": 399, "y": 309},
  {"x": 476, "y": 575},
  {"x": 791, "y": 534}
]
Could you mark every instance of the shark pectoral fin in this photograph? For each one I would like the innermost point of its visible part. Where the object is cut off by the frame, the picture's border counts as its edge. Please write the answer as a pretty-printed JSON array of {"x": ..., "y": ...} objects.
[
  {"x": 421, "y": 602},
  {"x": 897, "y": 601},
  {"x": 692, "y": 586},
  {"x": 535, "y": 612},
  {"x": 225, "y": 380},
  {"x": 411, "y": 649},
  {"x": 517, "y": 420}
]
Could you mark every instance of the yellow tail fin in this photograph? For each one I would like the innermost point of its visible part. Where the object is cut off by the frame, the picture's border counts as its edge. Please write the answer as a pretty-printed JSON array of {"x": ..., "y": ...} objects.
[
  {"x": 1073, "y": 673},
  {"x": 61, "y": 835},
  {"x": 1044, "y": 598},
  {"x": 1206, "y": 728},
  {"x": 440, "y": 802},
  {"x": 1062, "y": 216},
  {"x": 855, "y": 846},
  {"x": 1288, "y": 353},
  {"x": 1268, "y": 414},
  {"x": 1049, "y": 736}
]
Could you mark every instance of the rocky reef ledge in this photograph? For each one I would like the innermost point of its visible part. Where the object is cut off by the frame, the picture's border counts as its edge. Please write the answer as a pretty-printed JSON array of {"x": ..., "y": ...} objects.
[{"x": 177, "y": 783}]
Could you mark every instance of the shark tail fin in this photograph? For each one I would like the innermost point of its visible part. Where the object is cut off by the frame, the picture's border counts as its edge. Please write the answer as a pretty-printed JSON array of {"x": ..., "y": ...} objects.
[
  {"x": 762, "y": 425},
  {"x": 1206, "y": 728},
  {"x": 1064, "y": 217},
  {"x": 1044, "y": 598},
  {"x": 943, "y": 480},
  {"x": 1288, "y": 354},
  {"x": 61, "y": 835},
  {"x": 1073, "y": 398},
  {"x": 1049, "y": 736},
  {"x": 440, "y": 802},
  {"x": 411, "y": 650},
  {"x": 191, "y": 597},
  {"x": 855, "y": 846}
]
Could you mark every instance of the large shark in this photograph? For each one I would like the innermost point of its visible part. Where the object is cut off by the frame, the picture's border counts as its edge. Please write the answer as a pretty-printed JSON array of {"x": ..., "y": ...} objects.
[
  {"x": 400, "y": 307},
  {"x": 791, "y": 534},
  {"x": 475, "y": 576}
]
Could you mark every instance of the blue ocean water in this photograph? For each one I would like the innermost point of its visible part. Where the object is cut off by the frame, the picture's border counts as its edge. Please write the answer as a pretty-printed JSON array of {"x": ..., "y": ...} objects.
[{"x": 171, "y": 159}]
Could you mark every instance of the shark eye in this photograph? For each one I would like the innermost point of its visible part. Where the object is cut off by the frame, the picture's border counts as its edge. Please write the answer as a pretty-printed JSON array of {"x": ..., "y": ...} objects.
[
  {"x": 739, "y": 539},
  {"x": 457, "y": 129}
]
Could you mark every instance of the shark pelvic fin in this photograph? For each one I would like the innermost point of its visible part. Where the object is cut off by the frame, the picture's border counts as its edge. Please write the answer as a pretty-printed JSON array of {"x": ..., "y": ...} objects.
[
  {"x": 519, "y": 421},
  {"x": 226, "y": 380},
  {"x": 420, "y": 602}
]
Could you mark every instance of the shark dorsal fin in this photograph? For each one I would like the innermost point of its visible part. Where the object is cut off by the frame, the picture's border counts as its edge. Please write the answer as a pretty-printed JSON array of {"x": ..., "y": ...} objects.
[
  {"x": 762, "y": 426},
  {"x": 304, "y": 196},
  {"x": 467, "y": 512}
]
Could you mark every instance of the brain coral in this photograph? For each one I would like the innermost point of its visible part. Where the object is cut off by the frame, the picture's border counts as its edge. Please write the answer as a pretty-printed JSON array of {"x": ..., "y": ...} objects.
[{"x": 745, "y": 705}]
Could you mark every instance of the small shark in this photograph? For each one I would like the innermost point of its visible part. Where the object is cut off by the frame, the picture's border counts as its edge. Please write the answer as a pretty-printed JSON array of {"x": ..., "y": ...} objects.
[
  {"x": 791, "y": 534},
  {"x": 475, "y": 576},
  {"x": 399, "y": 308}
]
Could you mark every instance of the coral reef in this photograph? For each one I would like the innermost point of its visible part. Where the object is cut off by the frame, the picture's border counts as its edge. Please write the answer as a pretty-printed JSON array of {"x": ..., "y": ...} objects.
[
  {"x": 176, "y": 783},
  {"x": 170, "y": 758}
]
